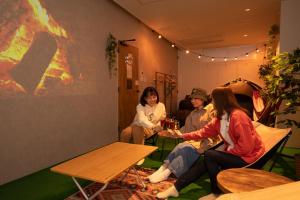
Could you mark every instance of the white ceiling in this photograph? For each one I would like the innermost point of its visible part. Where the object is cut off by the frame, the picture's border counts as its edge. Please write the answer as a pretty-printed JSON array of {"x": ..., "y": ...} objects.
[{"x": 198, "y": 24}]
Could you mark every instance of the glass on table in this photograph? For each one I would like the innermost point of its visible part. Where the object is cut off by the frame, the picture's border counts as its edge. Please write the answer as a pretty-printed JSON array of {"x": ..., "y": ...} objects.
[
  {"x": 162, "y": 123},
  {"x": 172, "y": 124},
  {"x": 177, "y": 125}
]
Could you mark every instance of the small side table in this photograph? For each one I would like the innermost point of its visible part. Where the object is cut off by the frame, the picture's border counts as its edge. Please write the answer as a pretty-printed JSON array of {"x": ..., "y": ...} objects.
[{"x": 245, "y": 180}]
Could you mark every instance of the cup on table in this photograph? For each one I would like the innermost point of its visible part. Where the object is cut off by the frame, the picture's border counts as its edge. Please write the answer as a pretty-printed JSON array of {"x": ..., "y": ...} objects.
[
  {"x": 177, "y": 125},
  {"x": 167, "y": 123},
  {"x": 162, "y": 123},
  {"x": 172, "y": 124}
]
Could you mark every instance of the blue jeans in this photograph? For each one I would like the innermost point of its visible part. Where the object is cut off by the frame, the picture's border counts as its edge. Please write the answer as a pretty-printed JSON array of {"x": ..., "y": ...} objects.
[{"x": 181, "y": 158}]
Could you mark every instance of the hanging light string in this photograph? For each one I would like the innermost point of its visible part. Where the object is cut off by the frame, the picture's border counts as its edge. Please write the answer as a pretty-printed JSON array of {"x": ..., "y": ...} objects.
[
  {"x": 224, "y": 58},
  {"x": 213, "y": 58}
]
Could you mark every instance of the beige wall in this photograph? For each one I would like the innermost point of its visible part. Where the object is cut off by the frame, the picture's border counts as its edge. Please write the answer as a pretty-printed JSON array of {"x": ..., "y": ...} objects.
[
  {"x": 194, "y": 72},
  {"x": 37, "y": 132},
  {"x": 290, "y": 40}
]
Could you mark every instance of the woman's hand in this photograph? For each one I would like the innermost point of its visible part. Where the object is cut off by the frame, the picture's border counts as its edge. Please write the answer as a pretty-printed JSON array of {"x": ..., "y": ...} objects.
[
  {"x": 164, "y": 133},
  {"x": 170, "y": 133},
  {"x": 157, "y": 129}
]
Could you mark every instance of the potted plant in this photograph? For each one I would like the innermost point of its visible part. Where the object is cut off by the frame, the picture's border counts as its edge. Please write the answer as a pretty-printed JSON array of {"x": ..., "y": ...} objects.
[{"x": 281, "y": 75}]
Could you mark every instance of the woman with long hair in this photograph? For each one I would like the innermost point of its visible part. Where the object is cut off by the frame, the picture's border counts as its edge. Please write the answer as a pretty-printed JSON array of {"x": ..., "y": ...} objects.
[{"x": 242, "y": 144}]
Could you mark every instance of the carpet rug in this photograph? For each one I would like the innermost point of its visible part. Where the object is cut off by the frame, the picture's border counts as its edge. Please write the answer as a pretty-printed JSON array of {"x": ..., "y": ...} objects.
[{"x": 128, "y": 188}]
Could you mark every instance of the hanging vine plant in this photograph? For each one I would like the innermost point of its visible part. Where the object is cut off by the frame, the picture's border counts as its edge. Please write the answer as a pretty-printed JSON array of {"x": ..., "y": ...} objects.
[{"x": 111, "y": 54}]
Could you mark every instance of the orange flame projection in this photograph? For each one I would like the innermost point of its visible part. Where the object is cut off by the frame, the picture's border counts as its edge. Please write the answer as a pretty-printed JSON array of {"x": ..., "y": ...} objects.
[{"x": 17, "y": 36}]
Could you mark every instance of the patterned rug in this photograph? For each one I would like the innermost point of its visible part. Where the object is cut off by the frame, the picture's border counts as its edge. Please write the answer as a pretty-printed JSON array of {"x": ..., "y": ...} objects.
[{"x": 127, "y": 189}]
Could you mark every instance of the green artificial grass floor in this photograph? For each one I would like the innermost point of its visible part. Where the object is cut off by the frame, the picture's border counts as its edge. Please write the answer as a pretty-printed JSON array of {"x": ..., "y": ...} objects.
[{"x": 46, "y": 185}]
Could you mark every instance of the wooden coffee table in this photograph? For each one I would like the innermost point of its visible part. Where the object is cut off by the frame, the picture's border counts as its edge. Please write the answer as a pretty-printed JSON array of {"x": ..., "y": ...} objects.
[
  {"x": 104, "y": 164},
  {"x": 245, "y": 180}
]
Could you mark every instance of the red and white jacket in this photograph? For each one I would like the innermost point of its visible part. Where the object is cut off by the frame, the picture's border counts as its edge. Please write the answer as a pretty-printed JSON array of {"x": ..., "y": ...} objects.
[{"x": 247, "y": 143}]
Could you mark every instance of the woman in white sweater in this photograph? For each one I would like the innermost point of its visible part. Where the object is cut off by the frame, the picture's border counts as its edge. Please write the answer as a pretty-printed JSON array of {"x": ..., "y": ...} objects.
[{"x": 149, "y": 113}]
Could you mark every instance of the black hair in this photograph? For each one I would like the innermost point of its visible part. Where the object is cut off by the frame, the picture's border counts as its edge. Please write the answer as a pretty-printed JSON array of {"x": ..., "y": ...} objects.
[{"x": 148, "y": 91}]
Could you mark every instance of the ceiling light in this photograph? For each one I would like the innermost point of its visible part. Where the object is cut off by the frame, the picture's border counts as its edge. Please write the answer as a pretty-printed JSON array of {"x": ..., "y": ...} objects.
[
  {"x": 225, "y": 59},
  {"x": 159, "y": 36},
  {"x": 187, "y": 51},
  {"x": 212, "y": 59},
  {"x": 257, "y": 50},
  {"x": 199, "y": 56},
  {"x": 245, "y": 35},
  {"x": 235, "y": 58},
  {"x": 247, "y": 54},
  {"x": 173, "y": 45},
  {"x": 247, "y": 9}
]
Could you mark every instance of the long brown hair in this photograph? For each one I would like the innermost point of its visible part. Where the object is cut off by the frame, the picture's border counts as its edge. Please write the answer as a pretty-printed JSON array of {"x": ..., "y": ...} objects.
[{"x": 224, "y": 100}]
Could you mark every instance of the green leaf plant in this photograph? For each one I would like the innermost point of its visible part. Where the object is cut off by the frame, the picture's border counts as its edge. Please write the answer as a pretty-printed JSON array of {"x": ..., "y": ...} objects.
[{"x": 281, "y": 75}]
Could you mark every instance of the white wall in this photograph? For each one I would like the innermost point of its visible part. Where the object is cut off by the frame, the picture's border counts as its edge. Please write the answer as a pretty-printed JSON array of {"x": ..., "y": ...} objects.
[
  {"x": 289, "y": 25},
  {"x": 290, "y": 40},
  {"x": 194, "y": 72},
  {"x": 37, "y": 132}
]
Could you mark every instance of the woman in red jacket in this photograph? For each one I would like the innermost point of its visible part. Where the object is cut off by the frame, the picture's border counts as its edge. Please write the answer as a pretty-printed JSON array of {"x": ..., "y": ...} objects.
[{"x": 242, "y": 145}]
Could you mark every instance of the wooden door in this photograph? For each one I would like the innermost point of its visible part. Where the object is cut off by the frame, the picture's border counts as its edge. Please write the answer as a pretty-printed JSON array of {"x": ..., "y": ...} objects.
[{"x": 128, "y": 84}]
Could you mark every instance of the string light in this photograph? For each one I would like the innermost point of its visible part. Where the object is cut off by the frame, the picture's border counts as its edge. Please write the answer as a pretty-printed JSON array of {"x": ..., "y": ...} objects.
[{"x": 225, "y": 59}]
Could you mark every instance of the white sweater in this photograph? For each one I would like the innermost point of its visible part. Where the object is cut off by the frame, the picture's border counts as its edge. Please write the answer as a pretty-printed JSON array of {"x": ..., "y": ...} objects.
[
  {"x": 149, "y": 117},
  {"x": 224, "y": 130}
]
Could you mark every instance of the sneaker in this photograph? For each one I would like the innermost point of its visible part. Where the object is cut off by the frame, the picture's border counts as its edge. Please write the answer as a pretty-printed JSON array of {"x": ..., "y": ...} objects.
[{"x": 170, "y": 192}]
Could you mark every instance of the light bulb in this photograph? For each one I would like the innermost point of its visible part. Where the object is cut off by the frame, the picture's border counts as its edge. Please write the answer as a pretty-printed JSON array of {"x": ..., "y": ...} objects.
[
  {"x": 159, "y": 36},
  {"x": 187, "y": 51},
  {"x": 212, "y": 59}
]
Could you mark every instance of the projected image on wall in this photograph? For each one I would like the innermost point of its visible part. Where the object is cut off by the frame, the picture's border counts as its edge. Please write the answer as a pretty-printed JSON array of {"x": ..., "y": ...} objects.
[{"x": 34, "y": 51}]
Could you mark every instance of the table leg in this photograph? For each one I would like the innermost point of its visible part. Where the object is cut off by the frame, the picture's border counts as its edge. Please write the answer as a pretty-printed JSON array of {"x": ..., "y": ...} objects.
[
  {"x": 139, "y": 178},
  {"x": 85, "y": 194},
  {"x": 124, "y": 176}
]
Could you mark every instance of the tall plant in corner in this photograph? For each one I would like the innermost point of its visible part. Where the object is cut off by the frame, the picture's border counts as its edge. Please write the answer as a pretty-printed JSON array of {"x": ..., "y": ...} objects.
[
  {"x": 281, "y": 75},
  {"x": 111, "y": 54}
]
